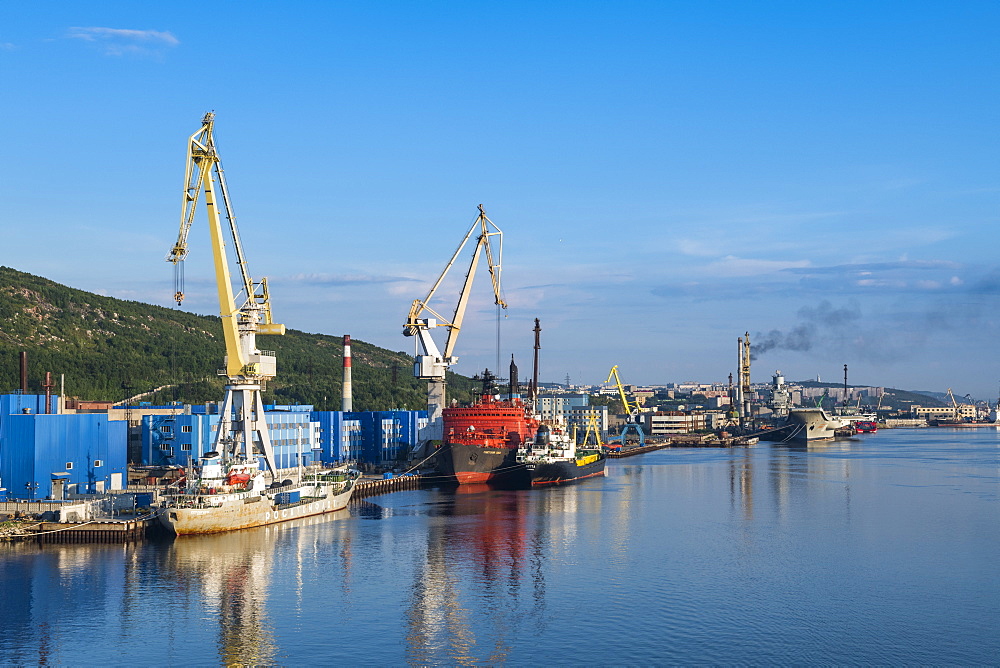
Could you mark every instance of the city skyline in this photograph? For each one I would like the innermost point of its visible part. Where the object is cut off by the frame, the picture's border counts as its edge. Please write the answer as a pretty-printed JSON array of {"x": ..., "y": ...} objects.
[{"x": 668, "y": 176}]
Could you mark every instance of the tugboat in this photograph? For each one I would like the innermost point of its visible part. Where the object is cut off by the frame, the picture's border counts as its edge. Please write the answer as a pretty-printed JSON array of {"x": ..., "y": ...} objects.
[
  {"x": 866, "y": 426},
  {"x": 233, "y": 495},
  {"x": 553, "y": 457},
  {"x": 481, "y": 441}
]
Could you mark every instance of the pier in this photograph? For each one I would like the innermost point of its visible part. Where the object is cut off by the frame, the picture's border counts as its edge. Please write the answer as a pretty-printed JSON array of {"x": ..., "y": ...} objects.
[
  {"x": 376, "y": 486},
  {"x": 96, "y": 531}
]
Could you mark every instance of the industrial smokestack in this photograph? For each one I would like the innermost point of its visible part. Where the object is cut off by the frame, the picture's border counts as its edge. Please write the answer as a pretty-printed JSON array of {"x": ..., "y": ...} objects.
[
  {"x": 24, "y": 372},
  {"x": 845, "y": 385},
  {"x": 48, "y": 392},
  {"x": 515, "y": 391},
  {"x": 534, "y": 372},
  {"x": 739, "y": 379},
  {"x": 346, "y": 401}
]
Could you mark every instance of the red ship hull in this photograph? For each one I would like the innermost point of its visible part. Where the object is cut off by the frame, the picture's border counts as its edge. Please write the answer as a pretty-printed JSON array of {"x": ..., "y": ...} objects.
[{"x": 481, "y": 441}]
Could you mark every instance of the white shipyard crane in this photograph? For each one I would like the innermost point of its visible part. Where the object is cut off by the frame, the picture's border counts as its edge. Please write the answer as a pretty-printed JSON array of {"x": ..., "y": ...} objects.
[
  {"x": 245, "y": 312},
  {"x": 431, "y": 363}
]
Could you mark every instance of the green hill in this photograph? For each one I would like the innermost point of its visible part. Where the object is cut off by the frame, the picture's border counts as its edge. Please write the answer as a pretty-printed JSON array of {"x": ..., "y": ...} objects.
[{"x": 109, "y": 349}]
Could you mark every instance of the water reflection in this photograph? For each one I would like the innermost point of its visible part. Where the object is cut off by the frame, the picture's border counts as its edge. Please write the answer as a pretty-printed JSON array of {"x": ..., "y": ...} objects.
[
  {"x": 491, "y": 546},
  {"x": 876, "y": 551},
  {"x": 231, "y": 575},
  {"x": 483, "y": 575},
  {"x": 805, "y": 474},
  {"x": 44, "y": 589}
]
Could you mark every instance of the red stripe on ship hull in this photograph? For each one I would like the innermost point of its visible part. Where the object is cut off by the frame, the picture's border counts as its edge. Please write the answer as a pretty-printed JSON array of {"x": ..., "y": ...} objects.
[{"x": 473, "y": 476}]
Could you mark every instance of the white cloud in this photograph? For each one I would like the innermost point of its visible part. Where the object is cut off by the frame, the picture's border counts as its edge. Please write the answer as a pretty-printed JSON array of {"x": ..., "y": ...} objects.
[
  {"x": 345, "y": 279},
  {"x": 120, "y": 41},
  {"x": 731, "y": 266}
]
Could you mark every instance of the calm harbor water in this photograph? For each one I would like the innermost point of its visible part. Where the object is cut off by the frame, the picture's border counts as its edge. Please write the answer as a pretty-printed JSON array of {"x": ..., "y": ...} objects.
[{"x": 881, "y": 549}]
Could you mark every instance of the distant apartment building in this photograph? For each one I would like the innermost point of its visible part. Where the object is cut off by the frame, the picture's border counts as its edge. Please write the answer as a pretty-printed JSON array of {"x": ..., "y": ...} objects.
[
  {"x": 719, "y": 401},
  {"x": 554, "y": 406},
  {"x": 581, "y": 417},
  {"x": 837, "y": 393},
  {"x": 573, "y": 409},
  {"x": 660, "y": 423},
  {"x": 641, "y": 396}
]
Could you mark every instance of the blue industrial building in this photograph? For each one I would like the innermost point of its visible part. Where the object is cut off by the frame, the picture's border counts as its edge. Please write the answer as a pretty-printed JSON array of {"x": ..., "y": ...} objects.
[
  {"x": 48, "y": 456},
  {"x": 380, "y": 438},
  {"x": 183, "y": 438},
  {"x": 23, "y": 404},
  {"x": 340, "y": 437}
]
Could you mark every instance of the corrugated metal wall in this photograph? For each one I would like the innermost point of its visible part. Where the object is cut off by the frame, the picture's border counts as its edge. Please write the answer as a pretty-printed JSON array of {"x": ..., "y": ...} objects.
[
  {"x": 16, "y": 404},
  {"x": 36, "y": 448},
  {"x": 326, "y": 436}
]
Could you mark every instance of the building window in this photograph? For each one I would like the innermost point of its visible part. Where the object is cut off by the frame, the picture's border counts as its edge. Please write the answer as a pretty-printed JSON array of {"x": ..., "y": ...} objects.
[
  {"x": 166, "y": 429},
  {"x": 186, "y": 428},
  {"x": 97, "y": 462},
  {"x": 186, "y": 446},
  {"x": 69, "y": 465}
]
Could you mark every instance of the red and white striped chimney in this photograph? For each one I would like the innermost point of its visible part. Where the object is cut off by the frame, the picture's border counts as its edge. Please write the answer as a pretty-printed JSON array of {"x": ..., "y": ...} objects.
[{"x": 346, "y": 403}]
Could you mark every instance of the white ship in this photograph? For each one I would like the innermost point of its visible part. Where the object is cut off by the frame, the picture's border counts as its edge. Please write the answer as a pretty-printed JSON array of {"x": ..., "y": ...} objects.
[
  {"x": 227, "y": 496},
  {"x": 813, "y": 424}
]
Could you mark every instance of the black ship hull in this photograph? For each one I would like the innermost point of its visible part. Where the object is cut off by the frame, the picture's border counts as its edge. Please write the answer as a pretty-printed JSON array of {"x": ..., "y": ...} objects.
[
  {"x": 564, "y": 471},
  {"x": 472, "y": 463}
]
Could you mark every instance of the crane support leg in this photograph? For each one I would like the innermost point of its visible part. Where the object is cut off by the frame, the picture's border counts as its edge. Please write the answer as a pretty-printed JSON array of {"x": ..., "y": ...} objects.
[
  {"x": 243, "y": 430},
  {"x": 637, "y": 429}
]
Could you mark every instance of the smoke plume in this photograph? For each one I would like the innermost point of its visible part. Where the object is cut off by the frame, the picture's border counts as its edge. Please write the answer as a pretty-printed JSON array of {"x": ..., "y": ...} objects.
[{"x": 820, "y": 323}]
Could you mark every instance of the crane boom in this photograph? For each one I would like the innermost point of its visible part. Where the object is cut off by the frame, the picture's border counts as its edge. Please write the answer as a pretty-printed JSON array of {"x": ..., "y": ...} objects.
[
  {"x": 629, "y": 410},
  {"x": 432, "y": 364},
  {"x": 244, "y": 314}
]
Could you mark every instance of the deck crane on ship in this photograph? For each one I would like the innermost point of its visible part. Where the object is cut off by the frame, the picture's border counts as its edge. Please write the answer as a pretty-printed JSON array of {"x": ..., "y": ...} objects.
[
  {"x": 245, "y": 313},
  {"x": 430, "y": 362}
]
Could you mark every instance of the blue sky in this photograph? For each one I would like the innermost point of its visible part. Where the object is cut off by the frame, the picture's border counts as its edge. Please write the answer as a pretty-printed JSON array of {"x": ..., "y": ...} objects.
[{"x": 668, "y": 175}]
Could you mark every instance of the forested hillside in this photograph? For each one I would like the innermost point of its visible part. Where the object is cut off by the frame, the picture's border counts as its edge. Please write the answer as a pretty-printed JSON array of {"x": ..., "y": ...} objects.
[{"x": 109, "y": 349}]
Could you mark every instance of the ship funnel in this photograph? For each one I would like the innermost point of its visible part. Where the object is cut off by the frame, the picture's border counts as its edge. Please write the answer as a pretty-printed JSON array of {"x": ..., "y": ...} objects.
[{"x": 515, "y": 390}]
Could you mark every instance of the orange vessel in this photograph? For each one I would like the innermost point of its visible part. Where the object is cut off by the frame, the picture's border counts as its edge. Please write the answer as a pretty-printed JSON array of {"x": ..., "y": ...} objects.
[{"x": 481, "y": 440}]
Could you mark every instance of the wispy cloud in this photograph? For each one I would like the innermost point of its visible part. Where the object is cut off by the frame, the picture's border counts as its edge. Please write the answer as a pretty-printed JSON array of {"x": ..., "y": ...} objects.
[
  {"x": 345, "y": 279},
  {"x": 121, "y": 41},
  {"x": 864, "y": 268},
  {"x": 733, "y": 266},
  {"x": 7, "y": 46},
  {"x": 898, "y": 276}
]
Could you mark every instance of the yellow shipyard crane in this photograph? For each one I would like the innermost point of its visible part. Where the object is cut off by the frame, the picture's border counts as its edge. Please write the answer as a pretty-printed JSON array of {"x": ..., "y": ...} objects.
[
  {"x": 245, "y": 312},
  {"x": 954, "y": 405},
  {"x": 431, "y": 363},
  {"x": 631, "y": 410}
]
